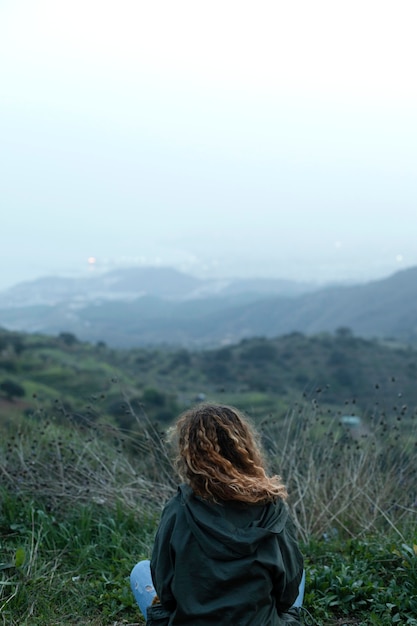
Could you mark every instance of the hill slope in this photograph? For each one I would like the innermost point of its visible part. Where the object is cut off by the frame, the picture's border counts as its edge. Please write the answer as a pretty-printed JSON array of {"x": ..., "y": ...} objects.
[{"x": 62, "y": 375}]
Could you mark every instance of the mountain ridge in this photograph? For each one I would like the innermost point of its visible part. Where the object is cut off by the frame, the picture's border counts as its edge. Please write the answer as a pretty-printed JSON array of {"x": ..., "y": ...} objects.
[
  {"x": 130, "y": 283},
  {"x": 377, "y": 309}
]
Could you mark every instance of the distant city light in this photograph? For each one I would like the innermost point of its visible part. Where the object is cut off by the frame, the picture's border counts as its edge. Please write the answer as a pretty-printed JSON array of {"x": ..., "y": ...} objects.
[
  {"x": 92, "y": 260},
  {"x": 399, "y": 258}
]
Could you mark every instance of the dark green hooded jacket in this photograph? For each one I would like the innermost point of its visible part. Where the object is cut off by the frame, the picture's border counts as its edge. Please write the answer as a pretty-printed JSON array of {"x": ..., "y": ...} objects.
[{"x": 228, "y": 563}]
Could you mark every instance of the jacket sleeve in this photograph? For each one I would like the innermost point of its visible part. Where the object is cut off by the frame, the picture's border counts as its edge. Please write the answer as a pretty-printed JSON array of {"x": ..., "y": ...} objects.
[
  {"x": 288, "y": 579},
  {"x": 163, "y": 558}
]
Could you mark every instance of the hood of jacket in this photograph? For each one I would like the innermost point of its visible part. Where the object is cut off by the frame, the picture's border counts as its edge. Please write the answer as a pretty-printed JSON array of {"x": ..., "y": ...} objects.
[{"x": 228, "y": 530}]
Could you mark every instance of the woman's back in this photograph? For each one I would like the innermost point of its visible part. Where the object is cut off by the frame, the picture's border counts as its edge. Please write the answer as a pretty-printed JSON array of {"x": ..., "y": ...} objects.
[
  {"x": 225, "y": 550},
  {"x": 225, "y": 563}
]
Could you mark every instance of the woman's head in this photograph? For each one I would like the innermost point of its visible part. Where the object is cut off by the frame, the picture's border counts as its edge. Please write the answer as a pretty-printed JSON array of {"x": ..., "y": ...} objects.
[{"x": 220, "y": 458}]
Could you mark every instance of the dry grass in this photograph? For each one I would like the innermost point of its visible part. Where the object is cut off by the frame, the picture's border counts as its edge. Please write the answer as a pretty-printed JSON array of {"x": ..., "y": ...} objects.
[
  {"x": 339, "y": 485},
  {"x": 79, "y": 464},
  {"x": 351, "y": 481},
  {"x": 339, "y": 481}
]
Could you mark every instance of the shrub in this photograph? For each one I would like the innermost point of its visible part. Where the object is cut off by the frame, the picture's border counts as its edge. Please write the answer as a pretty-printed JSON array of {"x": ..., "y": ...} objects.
[{"x": 11, "y": 389}]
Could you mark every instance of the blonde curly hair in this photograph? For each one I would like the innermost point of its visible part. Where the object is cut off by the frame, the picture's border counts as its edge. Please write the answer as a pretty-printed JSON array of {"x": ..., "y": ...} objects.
[{"x": 218, "y": 455}]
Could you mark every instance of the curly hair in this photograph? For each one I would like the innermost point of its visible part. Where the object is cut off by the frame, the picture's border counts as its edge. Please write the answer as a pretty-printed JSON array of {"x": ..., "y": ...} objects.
[{"x": 219, "y": 457}]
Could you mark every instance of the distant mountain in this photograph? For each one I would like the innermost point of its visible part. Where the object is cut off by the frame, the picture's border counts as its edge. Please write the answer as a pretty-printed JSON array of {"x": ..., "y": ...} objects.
[
  {"x": 383, "y": 308},
  {"x": 132, "y": 283},
  {"x": 126, "y": 284},
  {"x": 174, "y": 308}
]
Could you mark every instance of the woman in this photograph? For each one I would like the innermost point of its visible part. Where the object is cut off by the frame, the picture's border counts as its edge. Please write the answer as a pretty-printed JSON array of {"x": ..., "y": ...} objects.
[{"x": 225, "y": 551}]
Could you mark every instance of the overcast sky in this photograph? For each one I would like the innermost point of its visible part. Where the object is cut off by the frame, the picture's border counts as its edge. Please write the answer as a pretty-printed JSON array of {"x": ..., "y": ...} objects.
[{"x": 224, "y": 137}]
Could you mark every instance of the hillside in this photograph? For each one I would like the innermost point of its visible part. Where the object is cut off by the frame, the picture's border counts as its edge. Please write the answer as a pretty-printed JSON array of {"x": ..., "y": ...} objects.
[
  {"x": 68, "y": 377},
  {"x": 85, "y": 467},
  {"x": 164, "y": 307}
]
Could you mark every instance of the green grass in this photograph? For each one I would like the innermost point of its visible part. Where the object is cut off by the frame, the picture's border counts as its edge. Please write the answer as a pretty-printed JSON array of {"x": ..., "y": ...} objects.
[
  {"x": 70, "y": 569},
  {"x": 74, "y": 570},
  {"x": 80, "y": 505}
]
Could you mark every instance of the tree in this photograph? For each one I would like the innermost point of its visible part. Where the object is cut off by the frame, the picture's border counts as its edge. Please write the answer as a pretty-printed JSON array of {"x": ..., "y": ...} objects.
[
  {"x": 344, "y": 332},
  {"x": 11, "y": 389},
  {"x": 69, "y": 339}
]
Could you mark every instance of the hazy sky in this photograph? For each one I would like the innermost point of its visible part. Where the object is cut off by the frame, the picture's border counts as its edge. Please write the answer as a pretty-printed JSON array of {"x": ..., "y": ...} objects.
[{"x": 225, "y": 137}]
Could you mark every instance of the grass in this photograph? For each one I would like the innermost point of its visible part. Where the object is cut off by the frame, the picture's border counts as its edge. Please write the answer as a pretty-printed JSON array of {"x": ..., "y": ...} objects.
[
  {"x": 70, "y": 569},
  {"x": 80, "y": 502},
  {"x": 357, "y": 482}
]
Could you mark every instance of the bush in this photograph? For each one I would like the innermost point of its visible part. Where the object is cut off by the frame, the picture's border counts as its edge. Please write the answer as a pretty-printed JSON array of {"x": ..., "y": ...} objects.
[{"x": 11, "y": 389}]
